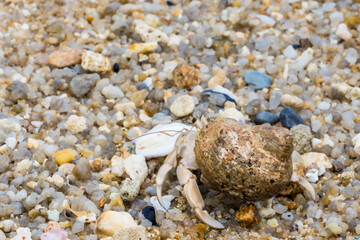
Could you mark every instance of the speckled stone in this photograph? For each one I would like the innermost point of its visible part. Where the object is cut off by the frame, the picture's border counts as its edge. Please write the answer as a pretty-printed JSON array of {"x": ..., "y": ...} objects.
[
  {"x": 260, "y": 168},
  {"x": 302, "y": 138}
]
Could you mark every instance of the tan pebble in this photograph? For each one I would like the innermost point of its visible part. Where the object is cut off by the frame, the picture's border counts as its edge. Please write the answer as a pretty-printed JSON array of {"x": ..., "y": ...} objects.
[
  {"x": 95, "y": 62},
  {"x": 273, "y": 223},
  {"x": 186, "y": 76},
  {"x": 335, "y": 228},
  {"x": 135, "y": 232},
  {"x": 122, "y": 107},
  {"x": 149, "y": 34},
  {"x": 230, "y": 113},
  {"x": 111, "y": 221},
  {"x": 31, "y": 184},
  {"x": 75, "y": 124},
  {"x": 176, "y": 12},
  {"x": 144, "y": 47},
  {"x": 65, "y": 58},
  {"x": 267, "y": 212},
  {"x": 32, "y": 143},
  {"x": 96, "y": 164},
  {"x": 102, "y": 202},
  {"x": 292, "y": 101},
  {"x": 240, "y": 83},
  {"x": 52, "y": 225},
  {"x": 67, "y": 168},
  {"x": 57, "y": 180},
  {"x": 65, "y": 156},
  {"x": 218, "y": 79},
  {"x": 3, "y": 149},
  {"x": 247, "y": 215},
  {"x": 182, "y": 106}
]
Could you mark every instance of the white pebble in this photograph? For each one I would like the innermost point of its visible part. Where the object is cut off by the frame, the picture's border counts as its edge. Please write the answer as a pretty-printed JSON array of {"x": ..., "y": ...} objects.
[
  {"x": 343, "y": 32},
  {"x": 8, "y": 225},
  {"x": 112, "y": 91},
  {"x": 95, "y": 62},
  {"x": 323, "y": 105},
  {"x": 75, "y": 124},
  {"x": 302, "y": 61},
  {"x": 290, "y": 52},
  {"x": 11, "y": 142},
  {"x": 53, "y": 215},
  {"x": 182, "y": 106}
]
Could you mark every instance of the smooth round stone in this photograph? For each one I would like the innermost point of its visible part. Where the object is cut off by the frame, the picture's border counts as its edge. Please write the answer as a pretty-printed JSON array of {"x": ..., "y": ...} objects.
[
  {"x": 258, "y": 80},
  {"x": 289, "y": 118},
  {"x": 266, "y": 117}
]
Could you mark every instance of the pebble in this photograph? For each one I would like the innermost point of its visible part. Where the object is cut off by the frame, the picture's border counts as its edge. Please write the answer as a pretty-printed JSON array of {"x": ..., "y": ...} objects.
[
  {"x": 65, "y": 156},
  {"x": 182, "y": 106},
  {"x": 267, "y": 212},
  {"x": 287, "y": 216},
  {"x": 335, "y": 229},
  {"x": 275, "y": 100},
  {"x": 302, "y": 138},
  {"x": 76, "y": 124},
  {"x": 150, "y": 34},
  {"x": 175, "y": 214},
  {"x": 186, "y": 76},
  {"x": 111, "y": 92},
  {"x": 302, "y": 61},
  {"x": 133, "y": 232},
  {"x": 272, "y": 223},
  {"x": 82, "y": 84},
  {"x": 218, "y": 79},
  {"x": 356, "y": 142},
  {"x": 289, "y": 52},
  {"x": 253, "y": 107},
  {"x": 258, "y": 80},
  {"x": 149, "y": 213},
  {"x": 343, "y": 32},
  {"x": 18, "y": 91},
  {"x": 292, "y": 101},
  {"x": 82, "y": 169},
  {"x": 22, "y": 233},
  {"x": 319, "y": 160},
  {"x": 247, "y": 215},
  {"x": 289, "y": 118},
  {"x": 65, "y": 58},
  {"x": 144, "y": 47},
  {"x": 231, "y": 113},
  {"x": 95, "y": 62},
  {"x": 111, "y": 221},
  {"x": 266, "y": 117}
]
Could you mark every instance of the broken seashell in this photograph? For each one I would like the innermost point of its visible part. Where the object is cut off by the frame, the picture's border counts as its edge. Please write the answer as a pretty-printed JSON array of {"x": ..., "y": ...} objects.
[
  {"x": 320, "y": 160},
  {"x": 160, "y": 140},
  {"x": 82, "y": 216},
  {"x": 111, "y": 221},
  {"x": 166, "y": 200}
]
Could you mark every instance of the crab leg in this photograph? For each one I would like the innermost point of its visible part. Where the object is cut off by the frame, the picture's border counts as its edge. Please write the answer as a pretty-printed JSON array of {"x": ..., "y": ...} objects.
[
  {"x": 193, "y": 196},
  {"x": 169, "y": 163}
]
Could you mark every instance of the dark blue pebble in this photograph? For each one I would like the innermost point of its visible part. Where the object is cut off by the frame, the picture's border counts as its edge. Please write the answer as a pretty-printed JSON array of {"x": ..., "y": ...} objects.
[
  {"x": 258, "y": 80},
  {"x": 266, "y": 117},
  {"x": 289, "y": 118},
  {"x": 116, "y": 67},
  {"x": 149, "y": 214}
]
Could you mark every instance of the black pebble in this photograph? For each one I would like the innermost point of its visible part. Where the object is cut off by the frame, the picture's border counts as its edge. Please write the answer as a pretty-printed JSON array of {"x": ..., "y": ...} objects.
[
  {"x": 149, "y": 214},
  {"x": 169, "y": 3},
  {"x": 266, "y": 117},
  {"x": 289, "y": 118},
  {"x": 116, "y": 67}
]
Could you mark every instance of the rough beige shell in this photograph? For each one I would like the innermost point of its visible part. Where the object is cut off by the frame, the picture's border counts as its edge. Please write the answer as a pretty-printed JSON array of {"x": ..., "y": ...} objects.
[{"x": 252, "y": 163}]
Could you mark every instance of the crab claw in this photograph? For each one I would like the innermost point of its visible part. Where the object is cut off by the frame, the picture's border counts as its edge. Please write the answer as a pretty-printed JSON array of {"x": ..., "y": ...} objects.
[
  {"x": 193, "y": 195},
  {"x": 205, "y": 217}
]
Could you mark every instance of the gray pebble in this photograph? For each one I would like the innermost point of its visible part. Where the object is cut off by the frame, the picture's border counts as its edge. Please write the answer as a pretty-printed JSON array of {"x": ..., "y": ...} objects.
[
  {"x": 82, "y": 84},
  {"x": 258, "y": 80},
  {"x": 82, "y": 169},
  {"x": 253, "y": 107},
  {"x": 18, "y": 91}
]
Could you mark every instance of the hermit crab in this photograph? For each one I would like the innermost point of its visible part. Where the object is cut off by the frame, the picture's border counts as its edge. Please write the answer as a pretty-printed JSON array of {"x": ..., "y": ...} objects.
[{"x": 251, "y": 163}]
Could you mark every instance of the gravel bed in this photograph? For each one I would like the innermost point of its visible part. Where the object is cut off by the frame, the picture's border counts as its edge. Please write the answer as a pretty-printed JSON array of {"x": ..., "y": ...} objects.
[{"x": 80, "y": 79}]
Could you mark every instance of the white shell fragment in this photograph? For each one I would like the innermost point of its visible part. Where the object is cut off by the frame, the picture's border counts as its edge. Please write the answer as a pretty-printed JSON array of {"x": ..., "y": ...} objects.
[
  {"x": 81, "y": 216},
  {"x": 166, "y": 200},
  {"x": 160, "y": 140}
]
